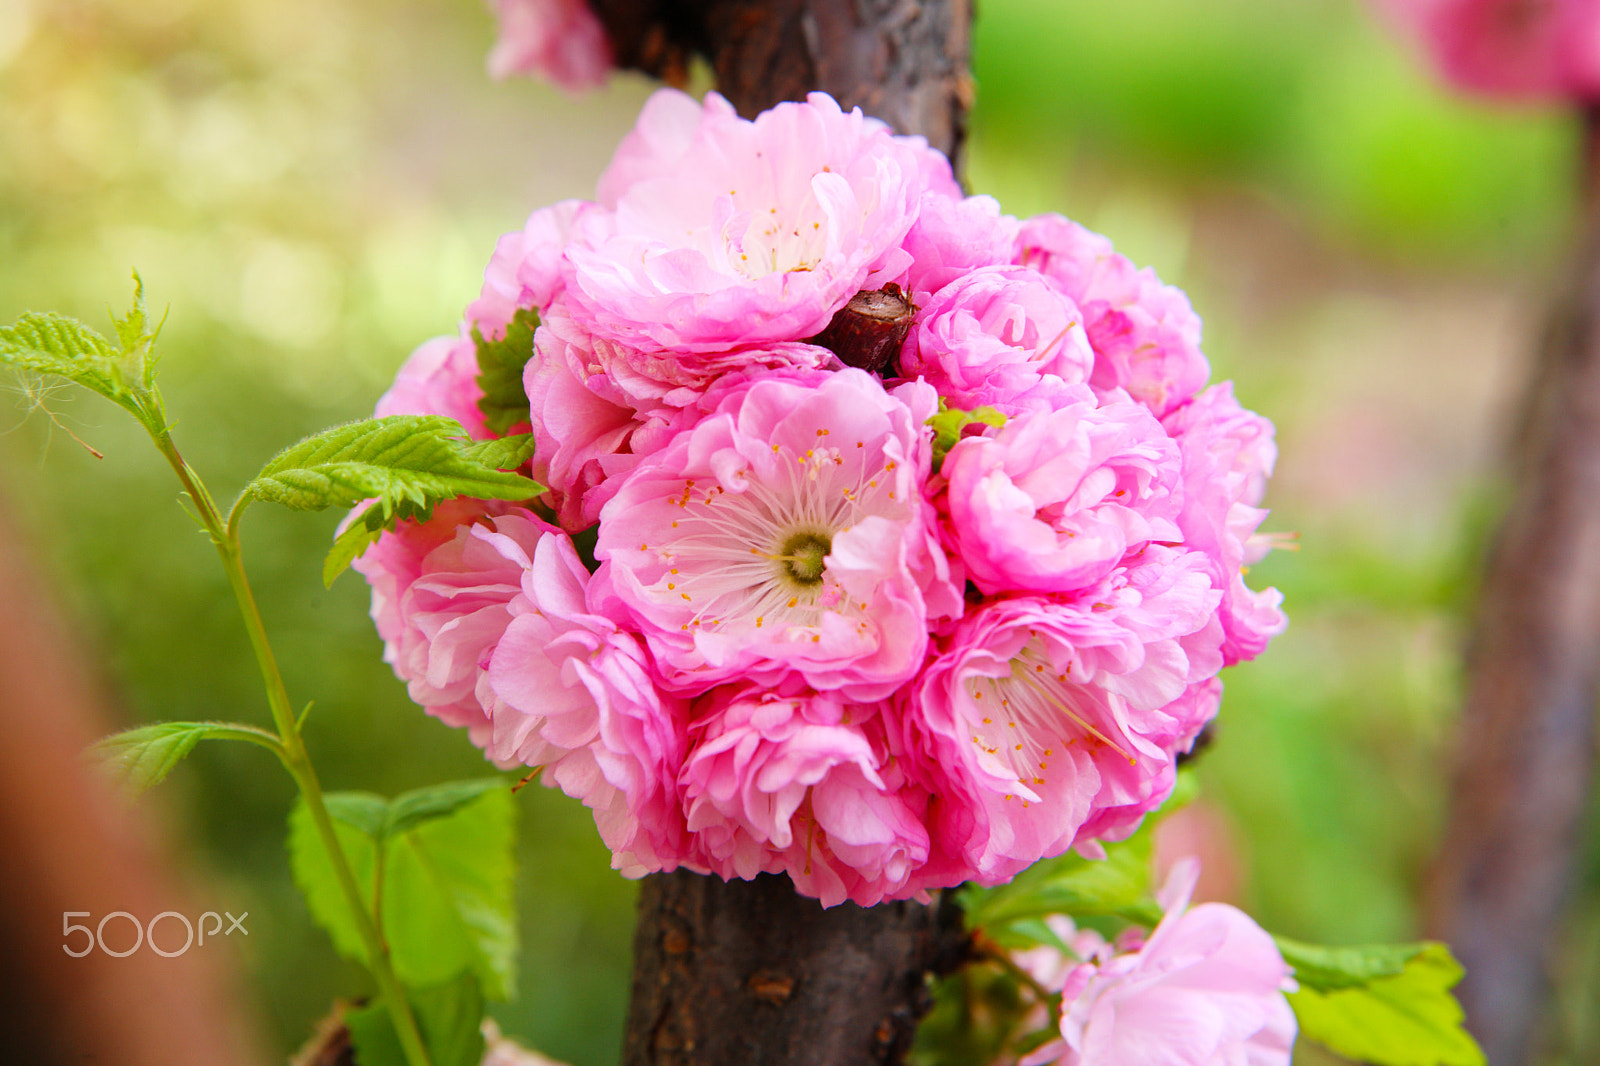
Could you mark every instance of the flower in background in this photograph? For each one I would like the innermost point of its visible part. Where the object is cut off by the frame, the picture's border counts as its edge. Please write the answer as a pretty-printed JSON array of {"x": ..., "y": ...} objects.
[
  {"x": 561, "y": 40},
  {"x": 1546, "y": 49},
  {"x": 1206, "y": 988}
]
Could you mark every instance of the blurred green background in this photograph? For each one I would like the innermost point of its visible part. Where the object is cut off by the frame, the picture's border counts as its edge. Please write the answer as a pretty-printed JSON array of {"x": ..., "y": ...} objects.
[{"x": 314, "y": 186}]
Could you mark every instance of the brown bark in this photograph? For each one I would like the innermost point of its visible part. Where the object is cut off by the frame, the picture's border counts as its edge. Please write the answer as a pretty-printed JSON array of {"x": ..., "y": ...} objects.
[
  {"x": 738, "y": 973},
  {"x": 904, "y": 61},
  {"x": 1525, "y": 765},
  {"x": 749, "y": 972}
]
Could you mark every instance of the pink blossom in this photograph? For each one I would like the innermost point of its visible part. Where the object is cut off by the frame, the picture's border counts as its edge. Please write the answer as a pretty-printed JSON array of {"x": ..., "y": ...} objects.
[
  {"x": 441, "y": 598},
  {"x": 525, "y": 270},
  {"x": 1053, "y": 500},
  {"x": 580, "y": 696},
  {"x": 1546, "y": 49},
  {"x": 599, "y": 409},
  {"x": 439, "y": 378},
  {"x": 649, "y": 381},
  {"x": 721, "y": 232},
  {"x": 796, "y": 783},
  {"x": 561, "y": 40},
  {"x": 954, "y": 235},
  {"x": 1003, "y": 337},
  {"x": 779, "y": 535},
  {"x": 1206, "y": 989},
  {"x": 1040, "y": 717},
  {"x": 1228, "y": 454},
  {"x": 1145, "y": 335}
]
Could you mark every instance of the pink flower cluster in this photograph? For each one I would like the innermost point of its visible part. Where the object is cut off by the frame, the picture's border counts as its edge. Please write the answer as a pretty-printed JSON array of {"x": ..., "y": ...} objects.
[
  {"x": 1204, "y": 989},
  {"x": 806, "y": 642},
  {"x": 1546, "y": 49}
]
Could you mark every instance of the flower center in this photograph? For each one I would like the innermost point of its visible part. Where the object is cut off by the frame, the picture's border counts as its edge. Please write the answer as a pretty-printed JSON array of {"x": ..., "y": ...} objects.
[
  {"x": 1029, "y": 714},
  {"x": 802, "y": 556}
]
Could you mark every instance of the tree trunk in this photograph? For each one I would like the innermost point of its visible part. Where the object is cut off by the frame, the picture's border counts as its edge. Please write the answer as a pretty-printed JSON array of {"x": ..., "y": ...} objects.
[
  {"x": 748, "y": 972},
  {"x": 1527, "y": 735},
  {"x": 904, "y": 61}
]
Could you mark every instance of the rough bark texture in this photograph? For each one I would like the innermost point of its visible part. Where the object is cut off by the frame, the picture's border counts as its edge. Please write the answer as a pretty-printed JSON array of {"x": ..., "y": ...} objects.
[
  {"x": 749, "y": 972},
  {"x": 904, "y": 61},
  {"x": 1527, "y": 737}
]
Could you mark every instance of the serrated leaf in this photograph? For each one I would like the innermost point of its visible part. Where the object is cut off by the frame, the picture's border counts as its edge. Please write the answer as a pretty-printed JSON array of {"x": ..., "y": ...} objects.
[
  {"x": 412, "y": 809},
  {"x": 503, "y": 453},
  {"x": 447, "y": 896},
  {"x": 142, "y": 757},
  {"x": 447, "y": 880},
  {"x": 500, "y": 365},
  {"x": 1406, "y": 1019},
  {"x": 366, "y": 811},
  {"x": 314, "y": 876},
  {"x": 48, "y": 343},
  {"x": 402, "y": 461},
  {"x": 362, "y": 530},
  {"x": 449, "y": 1015},
  {"x": 138, "y": 340},
  {"x": 1328, "y": 969}
]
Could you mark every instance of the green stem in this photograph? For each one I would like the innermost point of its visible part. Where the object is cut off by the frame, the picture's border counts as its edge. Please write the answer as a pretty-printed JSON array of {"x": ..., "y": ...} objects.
[{"x": 294, "y": 754}]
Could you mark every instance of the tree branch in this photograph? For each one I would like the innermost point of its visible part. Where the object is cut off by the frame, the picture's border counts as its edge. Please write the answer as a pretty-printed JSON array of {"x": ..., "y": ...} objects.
[
  {"x": 904, "y": 61},
  {"x": 1525, "y": 765}
]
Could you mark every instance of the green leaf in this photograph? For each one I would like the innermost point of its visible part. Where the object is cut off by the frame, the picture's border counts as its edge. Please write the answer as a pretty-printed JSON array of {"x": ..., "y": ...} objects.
[
  {"x": 950, "y": 421},
  {"x": 138, "y": 340},
  {"x": 436, "y": 801},
  {"x": 362, "y": 532},
  {"x": 447, "y": 869},
  {"x": 447, "y": 896},
  {"x": 1405, "y": 1019},
  {"x": 48, "y": 343},
  {"x": 408, "y": 463},
  {"x": 450, "y": 1016},
  {"x": 1024, "y": 933},
  {"x": 503, "y": 453},
  {"x": 366, "y": 811},
  {"x": 1071, "y": 884},
  {"x": 314, "y": 875},
  {"x": 1328, "y": 969},
  {"x": 500, "y": 364},
  {"x": 140, "y": 758}
]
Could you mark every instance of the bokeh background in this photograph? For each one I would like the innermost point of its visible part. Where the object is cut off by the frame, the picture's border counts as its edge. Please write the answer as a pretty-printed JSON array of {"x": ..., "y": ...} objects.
[{"x": 313, "y": 187}]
